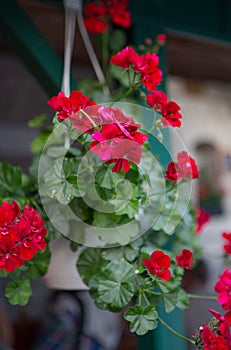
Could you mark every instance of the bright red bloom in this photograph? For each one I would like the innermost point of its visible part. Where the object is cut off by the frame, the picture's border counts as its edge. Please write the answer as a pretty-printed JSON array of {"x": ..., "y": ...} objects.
[
  {"x": 146, "y": 65},
  {"x": 22, "y": 235},
  {"x": 125, "y": 58},
  {"x": 185, "y": 168},
  {"x": 171, "y": 115},
  {"x": 120, "y": 15},
  {"x": 218, "y": 316},
  {"x": 95, "y": 25},
  {"x": 223, "y": 288},
  {"x": 227, "y": 245},
  {"x": 68, "y": 106},
  {"x": 161, "y": 39},
  {"x": 202, "y": 217},
  {"x": 119, "y": 143},
  {"x": 171, "y": 172},
  {"x": 95, "y": 10},
  {"x": 97, "y": 15},
  {"x": 211, "y": 341},
  {"x": 158, "y": 265},
  {"x": 151, "y": 80},
  {"x": 157, "y": 100},
  {"x": 184, "y": 259}
]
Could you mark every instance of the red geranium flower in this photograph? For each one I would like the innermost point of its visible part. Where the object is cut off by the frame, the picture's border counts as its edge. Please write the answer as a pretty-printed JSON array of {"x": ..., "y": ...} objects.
[
  {"x": 158, "y": 265},
  {"x": 119, "y": 14},
  {"x": 157, "y": 100},
  {"x": 202, "y": 217},
  {"x": 125, "y": 58},
  {"x": 211, "y": 341},
  {"x": 146, "y": 65},
  {"x": 184, "y": 259},
  {"x": 22, "y": 235},
  {"x": 227, "y": 245},
  {"x": 161, "y": 39},
  {"x": 118, "y": 143},
  {"x": 218, "y": 316},
  {"x": 68, "y": 106},
  {"x": 185, "y": 168},
  {"x": 95, "y": 25},
  {"x": 97, "y": 15},
  {"x": 223, "y": 288},
  {"x": 171, "y": 115},
  {"x": 171, "y": 172}
]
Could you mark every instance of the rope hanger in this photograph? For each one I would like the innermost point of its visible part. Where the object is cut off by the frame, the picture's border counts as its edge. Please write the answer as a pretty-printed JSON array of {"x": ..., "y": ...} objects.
[{"x": 73, "y": 11}]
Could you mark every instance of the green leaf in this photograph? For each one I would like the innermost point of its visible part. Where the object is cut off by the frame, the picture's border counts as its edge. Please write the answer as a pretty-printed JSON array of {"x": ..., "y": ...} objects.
[
  {"x": 116, "y": 284},
  {"x": 172, "y": 300},
  {"x": 164, "y": 286},
  {"x": 38, "y": 143},
  {"x": 182, "y": 300},
  {"x": 10, "y": 178},
  {"x": 142, "y": 320},
  {"x": 169, "y": 301},
  {"x": 129, "y": 252},
  {"x": 90, "y": 263},
  {"x": 56, "y": 182},
  {"x": 120, "y": 74},
  {"x": 18, "y": 292},
  {"x": 37, "y": 121},
  {"x": 3, "y": 274},
  {"x": 117, "y": 40},
  {"x": 38, "y": 266}
]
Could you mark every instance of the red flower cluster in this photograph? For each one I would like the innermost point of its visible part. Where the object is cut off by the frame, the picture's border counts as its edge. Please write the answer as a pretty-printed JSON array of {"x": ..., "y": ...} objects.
[
  {"x": 215, "y": 335},
  {"x": 68, "y": 106},
  {"x": 202, "y": 217},
  {"x": 117, "y": 141},
  {"x": 185, "y": 168},
  {"x": 168, "y": 109},
  {"x": 223, "y": 288},
  {"x": 146, "y": 65},
  {"x": 227, "y": 245},
  {"x": 184, "y": 259},
  {"x": 22, "y": 235},
  {"x": 216, "y": 339},
  {"x": 158, "y": 265},
  {"x": 98, "y": 15}
]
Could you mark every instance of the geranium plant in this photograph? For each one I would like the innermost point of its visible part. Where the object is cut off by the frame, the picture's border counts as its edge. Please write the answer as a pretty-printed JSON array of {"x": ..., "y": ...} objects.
[{"x": 96, "y": 182}]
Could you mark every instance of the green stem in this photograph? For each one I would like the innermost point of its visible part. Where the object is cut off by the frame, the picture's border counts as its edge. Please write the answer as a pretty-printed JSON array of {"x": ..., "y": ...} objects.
[
  {"x": 207, "y": 297},
  {"x": 146, "y": 299},
  {"x": 175, "y": 332},
  {"x": 92, "y": 121},
  {"x": 127, "y": 93},
  {"x": 168, "y": 190}
]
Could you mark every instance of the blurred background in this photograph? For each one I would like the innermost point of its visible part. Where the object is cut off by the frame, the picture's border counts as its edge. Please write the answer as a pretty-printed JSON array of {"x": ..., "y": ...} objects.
[{"x": 197, "y": 67}]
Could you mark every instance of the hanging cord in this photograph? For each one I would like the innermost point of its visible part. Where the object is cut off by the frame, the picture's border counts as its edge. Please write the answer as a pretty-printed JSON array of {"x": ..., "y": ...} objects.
[
  {"x": 88, "y": 45},
  {"x": 92, "y": 54},
  {"x": 68, "y": 49},
  {"x": 68, "y": 45}
]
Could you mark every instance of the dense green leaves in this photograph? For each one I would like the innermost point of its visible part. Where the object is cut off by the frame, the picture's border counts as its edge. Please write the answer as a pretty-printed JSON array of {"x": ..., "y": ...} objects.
[
  {"x": 10, "y": 179},
  {"x": 115, "y": 284},
  {"x": 142, "y": 319},
  {"x": 90, "y": 263},
  {"x": 19, "y": 291}
]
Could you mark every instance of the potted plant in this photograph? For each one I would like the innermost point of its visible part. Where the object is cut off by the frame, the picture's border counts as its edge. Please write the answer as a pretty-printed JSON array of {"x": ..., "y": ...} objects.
[{"x": 98, "y": 185}]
